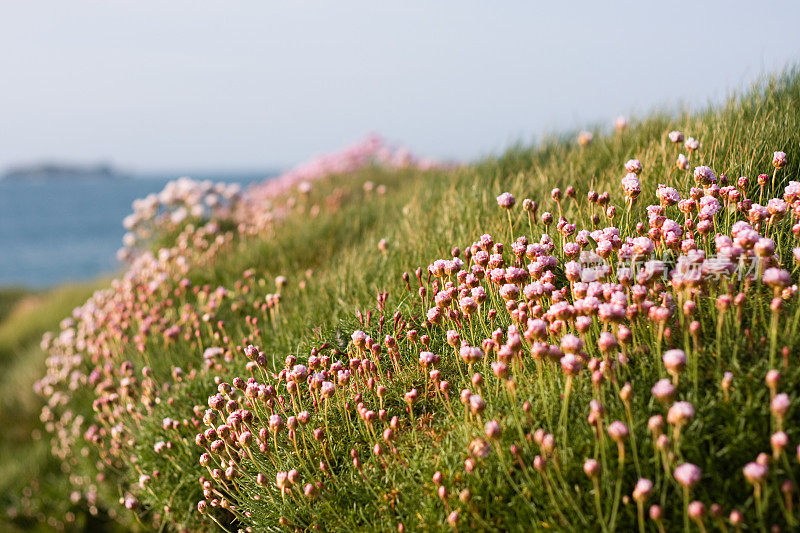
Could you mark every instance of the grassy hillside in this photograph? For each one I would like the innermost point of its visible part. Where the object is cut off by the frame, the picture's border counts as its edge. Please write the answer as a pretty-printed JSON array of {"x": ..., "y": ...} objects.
[
  {"x": 303, "y": 361},
  {"x": 27, "y": 316}
]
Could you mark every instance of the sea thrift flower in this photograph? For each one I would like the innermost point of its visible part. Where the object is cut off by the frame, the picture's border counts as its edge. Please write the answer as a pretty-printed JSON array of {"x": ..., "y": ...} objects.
[
  {"x": 780, "y": 405},
  {"x": 506, "y": 201},
  {"x": 500, "y": 369},
  {"x": 703, "y": 175},
  {"x": 591, "y": 468},
  {"x": 492, "y": 429},
  {"x": 680, "y": 413},
  {"x": 509, "y": 292},
  {"x": 755, "y": 473},
  {"x": 633, "y": 166},
  {"x": 643, "y": 489},
  {"x": 696, "y": 511},
  {"x": 779, "y": 159},
  {"x": 571, "y": 365},
  {"x": 571, "y": 344},
  {"x": 476, "y": 404},
  {"x": 471, "y": 354},
  {"x": 529, "y": 206},
  {"x": 667, "y": 195},
  {"x": 779, "y": 441},
  {"x": 777, "y": 208},
  {"x": 675, "y": 137},
  {"x": 468, "y": 306},
  {"x": 663, "y": 390},
  {"x": 427, "y": 359},
  {"x": 411, "y": 396},
  {"x": 479, "y": 448},
  {"x": 687, "y": 474},
  {"x": 674, "y": 361},
  {"x": 631, "y": 186},
  {"x": 585, "y": 138},
  {"x": 607, "y": 342},
  {"x": 618, "y": 431},
  {"x": 777, "y": 278},
  {"x": 275, "y": 423}
]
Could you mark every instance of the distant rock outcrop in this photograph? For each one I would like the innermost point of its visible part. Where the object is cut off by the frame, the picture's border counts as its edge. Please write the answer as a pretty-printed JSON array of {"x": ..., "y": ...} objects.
[{"x": 60, "y": 171}]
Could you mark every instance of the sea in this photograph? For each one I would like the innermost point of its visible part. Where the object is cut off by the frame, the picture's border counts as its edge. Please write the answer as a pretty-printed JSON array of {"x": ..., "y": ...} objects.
[{"x": 68, "y": 230}]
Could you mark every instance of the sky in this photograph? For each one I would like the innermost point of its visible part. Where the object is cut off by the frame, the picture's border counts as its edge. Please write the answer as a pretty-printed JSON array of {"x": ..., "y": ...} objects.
[{"x": 239, "y": 85}]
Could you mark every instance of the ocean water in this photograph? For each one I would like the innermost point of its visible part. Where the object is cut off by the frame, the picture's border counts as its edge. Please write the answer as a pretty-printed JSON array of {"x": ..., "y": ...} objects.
[{"x": 69, "y": 230}]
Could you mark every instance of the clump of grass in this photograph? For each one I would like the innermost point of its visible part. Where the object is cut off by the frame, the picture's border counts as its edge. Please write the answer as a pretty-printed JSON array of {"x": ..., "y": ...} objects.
[{"x": 427, "y": 358}]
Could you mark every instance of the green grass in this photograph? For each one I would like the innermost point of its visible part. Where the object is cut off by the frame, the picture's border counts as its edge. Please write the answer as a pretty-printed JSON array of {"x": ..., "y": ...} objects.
[
  {"x": 26, "y": 455},
  {"x": 9, "y": 297},
  {"x": 423, "y": 216}
]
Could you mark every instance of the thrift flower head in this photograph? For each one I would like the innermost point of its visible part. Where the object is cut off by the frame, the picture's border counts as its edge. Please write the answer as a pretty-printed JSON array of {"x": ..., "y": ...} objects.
[
  {"x": 675, "y": 137},
  {"x": 674, "y": 361},
  {"x": 506, "y": 201},
  {"x": 643, "y": 489},
  {"x": 585, "y": 138},
  {"x": 633, "y": 166},
  {"x": 687, "y": 474},
  {"x": 779, "y": 159},
  {"x": 755, "y": 473}
]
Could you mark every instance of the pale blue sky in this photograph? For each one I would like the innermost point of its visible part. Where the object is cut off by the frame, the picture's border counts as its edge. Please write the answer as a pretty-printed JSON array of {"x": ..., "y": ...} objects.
[{"x": 244, "y": 84}]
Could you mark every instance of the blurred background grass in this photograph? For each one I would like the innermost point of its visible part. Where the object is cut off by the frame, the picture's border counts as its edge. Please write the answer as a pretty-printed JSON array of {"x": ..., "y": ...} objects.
[{"x": 25, "y": 316}]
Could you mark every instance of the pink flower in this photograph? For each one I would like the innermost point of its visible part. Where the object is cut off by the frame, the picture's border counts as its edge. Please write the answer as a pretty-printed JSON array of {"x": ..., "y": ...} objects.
[
  {"x": 618, "y": 431},
  {"x": 633, "y": 166},
  {"x": 777, "y": 207},
  {"x": 709, "y": 206},
  {"x": 779, "y": 159},
  {"x": 275, "y": 423},
  {"x": 471, "y": 354},
  {"x": 328, "y": 389},
  {"x": 571, "y": 344},
  {"x": 779, "y": 440},
  {"x": 755, "y": 473},
  {"x": 663, "y": 390},
  {"x": 703, "y": 175},
  {"x": 476, "y": 404},
  {"x": 667, "y": 195},
  {"x": 687, "y": 474},
  {"x": 509, "y": 291},
  {"x": 492, "y": 429},
  {"x": 427, "y": 359},
  {"x": 506, "y": 201},
  {"x": 571, "y": 364},
  {"x": 674, "y": 361},
  {"x": 680, "y": 413},
  {"x": 643, "y": 490},
  {"x": 591, "y": 468},
  {"x": 780, "y": 405},
  {"x": 642, "y": 246},
  {"x": 468, "y": 305},
  {"x": 777, "y": 278}
]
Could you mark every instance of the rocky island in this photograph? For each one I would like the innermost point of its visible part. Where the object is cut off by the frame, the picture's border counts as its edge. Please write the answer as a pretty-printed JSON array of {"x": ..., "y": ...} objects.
[{"x": 60, "y": 171}]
